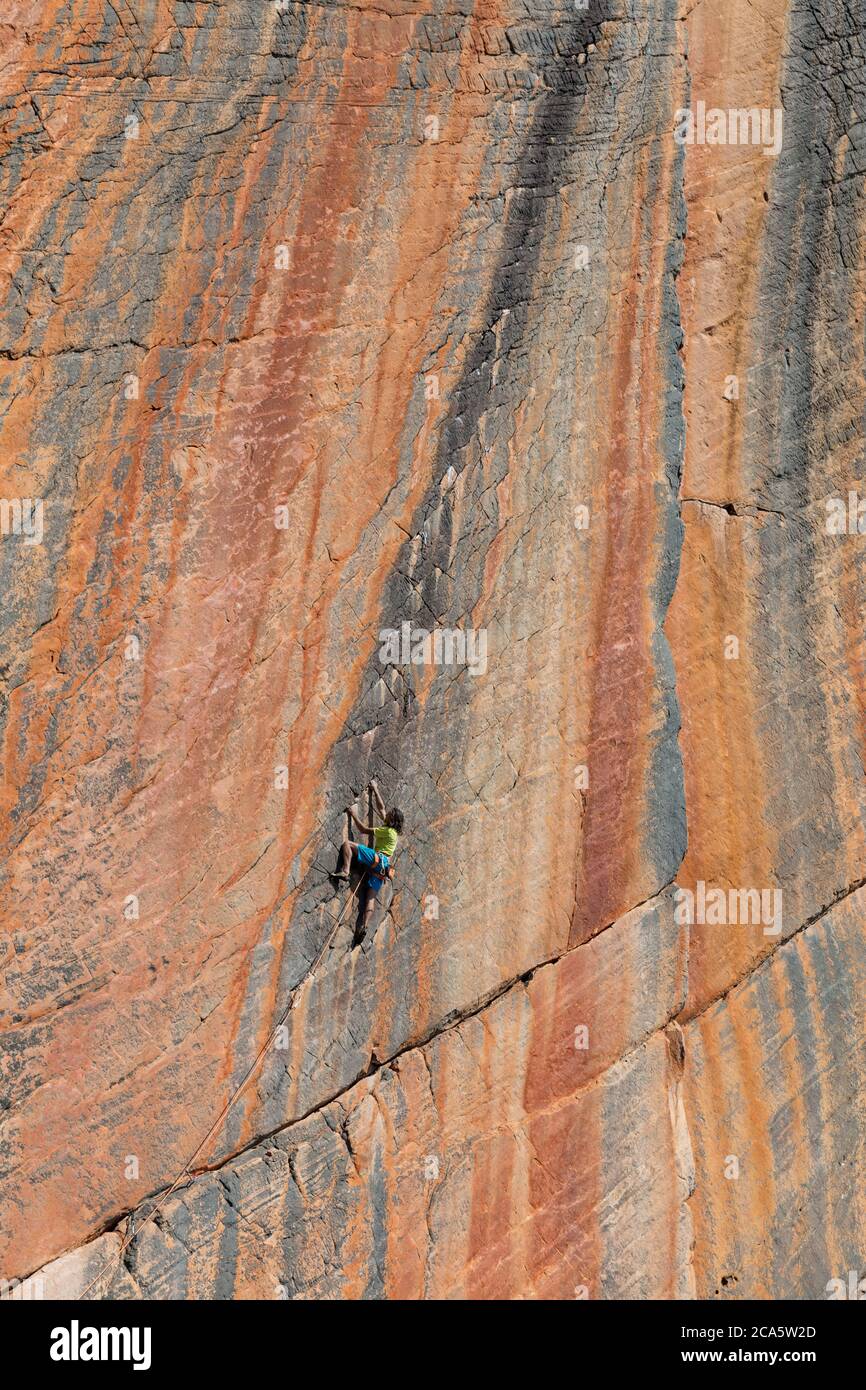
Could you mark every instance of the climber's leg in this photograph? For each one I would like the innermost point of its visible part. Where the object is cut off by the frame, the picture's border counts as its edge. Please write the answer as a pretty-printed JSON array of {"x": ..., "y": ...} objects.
[
  {"x": 369, "y": 909},
  {"x": 347, "y": 848}
]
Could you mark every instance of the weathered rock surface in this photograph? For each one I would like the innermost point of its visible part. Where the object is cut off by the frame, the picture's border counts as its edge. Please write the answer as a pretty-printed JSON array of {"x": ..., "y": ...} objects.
[
  {"x": 497, "y": 1161},
  {"x": 776, "y": 1109},
  {"x": 418, "y": 287},
  {"x": 772, "y": 290}
]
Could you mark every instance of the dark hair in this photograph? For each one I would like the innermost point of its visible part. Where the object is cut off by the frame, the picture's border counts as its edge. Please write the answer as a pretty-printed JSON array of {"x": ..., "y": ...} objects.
[{"x": 394, "y": 819}]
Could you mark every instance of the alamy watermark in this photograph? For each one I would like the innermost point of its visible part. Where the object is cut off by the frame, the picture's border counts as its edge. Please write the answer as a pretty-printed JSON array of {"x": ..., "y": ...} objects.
[
  {"x": 77, "y": 1343},
  {"x": 28, "y": 1290},
  {"x": 739, "y": 125},
  {"x": 716, "y": 907},
  {"x": 443, "y": 646},
  {"x": 22, "y": 516},
  {"x": 853, "y": 1287},
  {"x": 846, "y": 518}
]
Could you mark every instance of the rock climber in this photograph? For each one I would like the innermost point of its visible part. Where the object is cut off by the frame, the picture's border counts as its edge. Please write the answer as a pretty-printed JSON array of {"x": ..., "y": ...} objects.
[{"x": 377, "y": 861}]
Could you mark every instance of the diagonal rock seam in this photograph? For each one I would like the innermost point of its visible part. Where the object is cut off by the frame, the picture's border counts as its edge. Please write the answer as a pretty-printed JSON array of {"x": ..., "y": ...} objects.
[
  {"x": 672, "y": 1027},
  {"x": 451, "y": 1021}
]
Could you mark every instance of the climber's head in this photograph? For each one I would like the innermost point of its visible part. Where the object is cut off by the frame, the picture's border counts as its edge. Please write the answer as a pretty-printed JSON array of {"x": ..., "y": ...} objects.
[{"x": 394, "y": 819}]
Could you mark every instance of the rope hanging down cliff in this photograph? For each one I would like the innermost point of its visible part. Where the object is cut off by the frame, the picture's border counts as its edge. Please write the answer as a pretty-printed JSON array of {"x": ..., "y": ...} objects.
[{"x": 185, "y": 1171}]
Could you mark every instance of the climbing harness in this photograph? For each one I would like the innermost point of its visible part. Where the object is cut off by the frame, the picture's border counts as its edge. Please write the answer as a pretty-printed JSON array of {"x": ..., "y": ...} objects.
[{"x": 375, "y": 867}]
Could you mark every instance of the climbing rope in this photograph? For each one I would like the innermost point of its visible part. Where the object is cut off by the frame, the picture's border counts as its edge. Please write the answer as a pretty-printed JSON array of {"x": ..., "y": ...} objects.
[{"x": 185, "y": 1170}]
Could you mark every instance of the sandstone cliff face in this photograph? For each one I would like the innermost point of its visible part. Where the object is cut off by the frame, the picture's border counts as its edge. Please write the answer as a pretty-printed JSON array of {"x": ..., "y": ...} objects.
[{"x": 325, "y": 319}]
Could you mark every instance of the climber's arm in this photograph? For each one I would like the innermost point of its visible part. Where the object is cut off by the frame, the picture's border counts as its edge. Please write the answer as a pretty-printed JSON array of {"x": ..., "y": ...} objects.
[
  {"x": 377, "y": 800},
  {"x": 364, "y": 829}
]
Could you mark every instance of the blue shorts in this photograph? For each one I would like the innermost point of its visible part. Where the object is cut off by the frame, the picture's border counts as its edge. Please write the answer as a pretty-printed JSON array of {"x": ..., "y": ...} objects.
[{"x": 367, "y": 857}]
